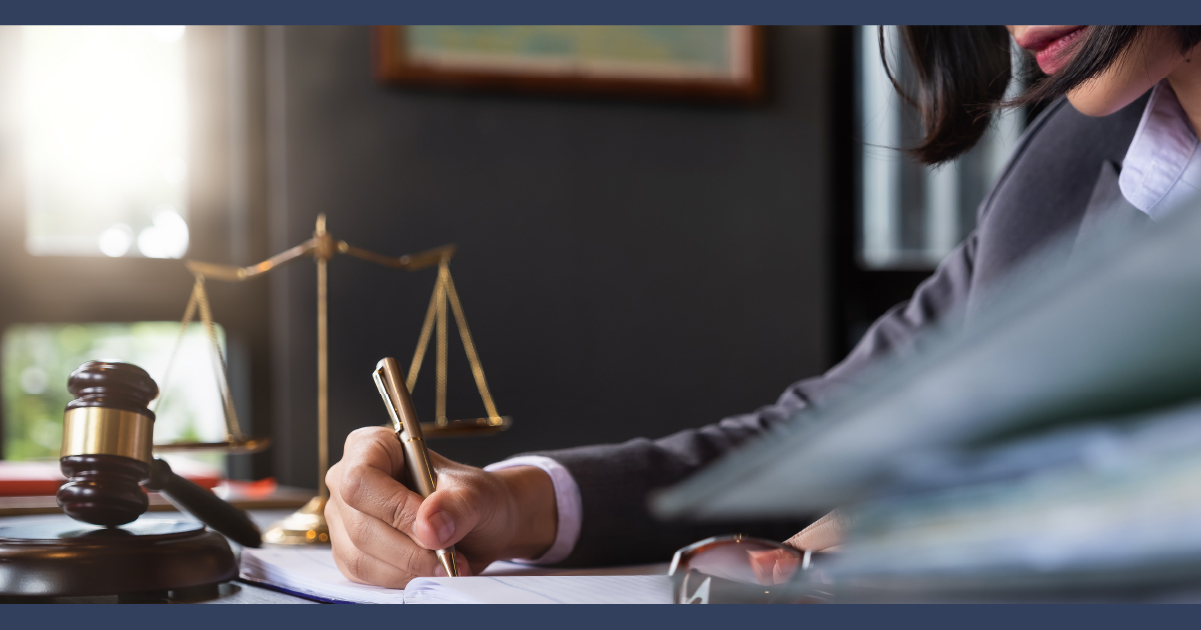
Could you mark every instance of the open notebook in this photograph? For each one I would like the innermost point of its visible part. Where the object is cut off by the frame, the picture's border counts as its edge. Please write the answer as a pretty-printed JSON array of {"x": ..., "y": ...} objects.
[{"x": 312, "y": 573}]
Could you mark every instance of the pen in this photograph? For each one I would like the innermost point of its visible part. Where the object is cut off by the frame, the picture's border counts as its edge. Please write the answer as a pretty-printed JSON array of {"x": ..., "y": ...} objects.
[{"x": 408, "y": 430}]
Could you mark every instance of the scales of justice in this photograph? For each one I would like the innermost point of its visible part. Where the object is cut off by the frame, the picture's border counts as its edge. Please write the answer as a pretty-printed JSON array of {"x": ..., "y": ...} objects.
[
  {"x": 307, "y": 525},
  {"x": 108, "y": 457}
]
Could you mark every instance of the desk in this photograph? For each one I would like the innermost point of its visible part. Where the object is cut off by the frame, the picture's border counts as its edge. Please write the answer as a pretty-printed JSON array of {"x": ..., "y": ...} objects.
[{"x": 244, "y": 593}]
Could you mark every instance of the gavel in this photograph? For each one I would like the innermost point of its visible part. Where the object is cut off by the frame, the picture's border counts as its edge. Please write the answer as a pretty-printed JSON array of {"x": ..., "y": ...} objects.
[{"x": 107, "y": 456}]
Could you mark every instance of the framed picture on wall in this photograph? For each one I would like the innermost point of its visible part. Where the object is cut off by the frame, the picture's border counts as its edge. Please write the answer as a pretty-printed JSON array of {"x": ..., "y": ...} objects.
[{"x": 723, "y": 63}]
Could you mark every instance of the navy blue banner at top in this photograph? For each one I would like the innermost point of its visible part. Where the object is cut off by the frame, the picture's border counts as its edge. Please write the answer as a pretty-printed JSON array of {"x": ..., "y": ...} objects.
[{"x": 601, "y": 12}]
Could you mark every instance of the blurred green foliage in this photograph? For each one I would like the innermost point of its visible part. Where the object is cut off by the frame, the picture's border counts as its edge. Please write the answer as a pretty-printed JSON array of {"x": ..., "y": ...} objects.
[{"x": 38, "y": 358}]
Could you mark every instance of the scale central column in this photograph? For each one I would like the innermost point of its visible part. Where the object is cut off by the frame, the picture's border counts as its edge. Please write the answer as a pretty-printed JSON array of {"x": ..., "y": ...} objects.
[
  {"x": 322, "y": 365},
  {"x": 307, "y": 525}
]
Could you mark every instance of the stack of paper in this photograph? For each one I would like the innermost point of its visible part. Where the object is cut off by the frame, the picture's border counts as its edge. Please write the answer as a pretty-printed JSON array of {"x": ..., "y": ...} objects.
[{"x": 312, "y": 573}]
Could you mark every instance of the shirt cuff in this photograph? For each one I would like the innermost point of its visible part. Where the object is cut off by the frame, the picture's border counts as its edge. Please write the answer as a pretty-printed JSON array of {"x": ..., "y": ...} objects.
[{"x": 567, "y": 503}]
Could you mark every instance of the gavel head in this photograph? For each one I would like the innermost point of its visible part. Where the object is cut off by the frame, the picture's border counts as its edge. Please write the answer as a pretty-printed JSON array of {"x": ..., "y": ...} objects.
[{"x": 108, "y": 435}]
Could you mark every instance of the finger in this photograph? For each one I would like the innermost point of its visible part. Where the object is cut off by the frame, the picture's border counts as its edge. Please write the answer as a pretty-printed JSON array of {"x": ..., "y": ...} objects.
[
  {"x": 447, "y": 515},
  {"x": 824, "y": 533},
  {"x": 438, "y": 521},
  {"x": 333, "y": 478},
  {"x": 349, "y": 559},
  {"x": 775, "y": 566},
  {"x": 367, "y": 481},
  {"x": 382, "y": 541},
  {"x": 369, "y": 535},
  {"x": 362, "y": 567},
  {"x": 376, "y": 447},
  {"x": 464, "y": 565},
  {"x": 372, "y": 492}
]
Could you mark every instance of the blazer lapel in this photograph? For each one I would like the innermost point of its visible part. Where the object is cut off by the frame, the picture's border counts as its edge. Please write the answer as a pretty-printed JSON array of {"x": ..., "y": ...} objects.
[{"x": 1108, "y": 215}]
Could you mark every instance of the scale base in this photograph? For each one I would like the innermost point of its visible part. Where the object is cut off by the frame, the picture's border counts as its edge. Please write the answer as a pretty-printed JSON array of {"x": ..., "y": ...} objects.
[
  {"x": 305, "y": 526},
  {"x": 58, "y": 558}
]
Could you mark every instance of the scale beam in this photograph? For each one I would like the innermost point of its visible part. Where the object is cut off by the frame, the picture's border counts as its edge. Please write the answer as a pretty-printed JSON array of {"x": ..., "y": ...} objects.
[
  {"x": 313, "y": 246},
  {"x": 408, "y": 262},
  {"x": 231, "y": 273}
]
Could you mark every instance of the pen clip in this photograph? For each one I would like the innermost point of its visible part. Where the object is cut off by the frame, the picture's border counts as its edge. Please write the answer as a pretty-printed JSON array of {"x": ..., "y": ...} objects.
[
  {"x": 390, "y": 381},
  {"x": 386, "y": 393}
]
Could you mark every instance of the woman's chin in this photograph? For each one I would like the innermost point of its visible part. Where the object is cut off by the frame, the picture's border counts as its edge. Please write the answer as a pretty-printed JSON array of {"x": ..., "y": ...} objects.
[
  {"x": 1099, "y": 97},
  {"x": 1087, "y": 101},
  {"x": 1140, "y": 68}
]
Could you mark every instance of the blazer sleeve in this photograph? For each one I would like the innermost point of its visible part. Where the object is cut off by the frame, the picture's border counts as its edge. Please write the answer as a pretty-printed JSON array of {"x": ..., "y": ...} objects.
[{"x": 614, "y": 479}]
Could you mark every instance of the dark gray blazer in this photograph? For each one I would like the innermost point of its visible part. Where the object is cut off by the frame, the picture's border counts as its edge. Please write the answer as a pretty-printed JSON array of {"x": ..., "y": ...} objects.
[{"x": 1062, "y": 178}]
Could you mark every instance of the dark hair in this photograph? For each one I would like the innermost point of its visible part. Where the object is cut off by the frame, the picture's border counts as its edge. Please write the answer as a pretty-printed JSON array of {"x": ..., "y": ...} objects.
[{"x": 962, "y": 73}]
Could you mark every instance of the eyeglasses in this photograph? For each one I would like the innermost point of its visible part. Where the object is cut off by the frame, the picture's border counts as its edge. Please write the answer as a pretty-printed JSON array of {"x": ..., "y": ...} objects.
[{"x": 736, "y": 569}]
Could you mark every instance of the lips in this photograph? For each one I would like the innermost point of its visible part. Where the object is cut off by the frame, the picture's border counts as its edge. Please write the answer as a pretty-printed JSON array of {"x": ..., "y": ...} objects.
[{"x": 1050, "y": 45}]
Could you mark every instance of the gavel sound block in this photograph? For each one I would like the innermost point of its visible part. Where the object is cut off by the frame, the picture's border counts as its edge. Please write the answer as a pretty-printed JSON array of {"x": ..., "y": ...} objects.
[{"x": 108, "y": 435}]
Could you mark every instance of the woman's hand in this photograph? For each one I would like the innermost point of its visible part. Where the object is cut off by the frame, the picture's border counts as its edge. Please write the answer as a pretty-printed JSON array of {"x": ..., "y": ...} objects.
[
  {"x": 824, "y": 534},
  {"x": 384, "y": 534}
]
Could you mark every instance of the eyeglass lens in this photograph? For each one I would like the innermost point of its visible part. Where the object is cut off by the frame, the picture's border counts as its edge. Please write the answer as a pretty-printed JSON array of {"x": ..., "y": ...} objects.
[{"x": 736, "y": 570}]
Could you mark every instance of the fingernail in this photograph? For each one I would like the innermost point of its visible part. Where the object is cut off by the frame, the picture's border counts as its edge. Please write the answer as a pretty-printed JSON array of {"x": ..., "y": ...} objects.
[
  {"x": 439, "y": 571},
  {"x": 444, "y": 525}
]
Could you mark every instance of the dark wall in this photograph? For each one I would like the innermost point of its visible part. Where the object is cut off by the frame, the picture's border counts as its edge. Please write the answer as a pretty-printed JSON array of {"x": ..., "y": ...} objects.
[{"x": 627, "y": 268}]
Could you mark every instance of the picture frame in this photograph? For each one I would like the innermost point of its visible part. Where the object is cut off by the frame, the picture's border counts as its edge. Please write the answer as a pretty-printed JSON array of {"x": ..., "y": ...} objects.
[{"x": 699, "y": 63}]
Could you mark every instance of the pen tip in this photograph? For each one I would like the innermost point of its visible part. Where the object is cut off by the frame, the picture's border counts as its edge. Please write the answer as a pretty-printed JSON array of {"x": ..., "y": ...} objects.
[{"x": 447, "y": 556}]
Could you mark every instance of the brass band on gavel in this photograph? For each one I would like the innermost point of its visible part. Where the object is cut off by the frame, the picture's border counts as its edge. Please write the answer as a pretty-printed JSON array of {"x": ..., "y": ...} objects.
[{"x": 105, "y": 431}]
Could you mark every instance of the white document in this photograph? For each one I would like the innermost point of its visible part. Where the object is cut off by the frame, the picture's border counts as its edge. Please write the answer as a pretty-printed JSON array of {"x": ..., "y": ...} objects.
[
  {"x": 312, "y": 573},
  {"x": 541, "y": 589}
]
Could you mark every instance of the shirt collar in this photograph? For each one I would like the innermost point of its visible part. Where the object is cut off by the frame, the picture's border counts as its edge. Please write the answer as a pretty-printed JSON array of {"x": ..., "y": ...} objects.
[{"x": 1162, "y": 167}]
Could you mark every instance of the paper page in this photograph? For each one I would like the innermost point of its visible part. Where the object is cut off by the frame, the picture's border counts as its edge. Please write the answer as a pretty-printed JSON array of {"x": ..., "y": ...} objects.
[
  {"x": 557, "y": 589},
  {"x": 311, "y": 573}
]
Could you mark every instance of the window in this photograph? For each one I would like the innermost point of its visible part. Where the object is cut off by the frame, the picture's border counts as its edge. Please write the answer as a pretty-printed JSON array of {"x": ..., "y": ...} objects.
[
  {"x": 38, "y": 358},
  {"x": 137, "y": 145},
  {"x": 105, "y": 121},
  {"x": 911, "y": 216}
]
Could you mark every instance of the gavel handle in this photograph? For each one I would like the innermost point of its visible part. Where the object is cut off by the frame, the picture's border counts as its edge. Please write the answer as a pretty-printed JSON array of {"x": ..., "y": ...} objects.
[{"x": 204, "y": 505}]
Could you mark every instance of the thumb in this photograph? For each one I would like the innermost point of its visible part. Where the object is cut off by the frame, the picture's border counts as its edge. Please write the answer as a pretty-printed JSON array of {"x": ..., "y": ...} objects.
[
  {"x": 446, "y": 516},
  {"x": 822, "y": 534}
]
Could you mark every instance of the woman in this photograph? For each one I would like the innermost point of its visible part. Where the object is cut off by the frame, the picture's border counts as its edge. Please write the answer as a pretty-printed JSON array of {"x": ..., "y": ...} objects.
[{"x": 1116, "y": 144}]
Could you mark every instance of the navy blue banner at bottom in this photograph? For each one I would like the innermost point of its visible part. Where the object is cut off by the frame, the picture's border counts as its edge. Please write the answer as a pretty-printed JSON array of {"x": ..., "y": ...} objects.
[
  {"x": 607, "y": 12},
  {"x": 890, "y": 617}
]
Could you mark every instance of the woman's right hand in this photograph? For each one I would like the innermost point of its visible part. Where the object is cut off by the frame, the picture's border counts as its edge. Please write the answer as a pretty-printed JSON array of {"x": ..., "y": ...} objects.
[{"x": 384, "y": 534}]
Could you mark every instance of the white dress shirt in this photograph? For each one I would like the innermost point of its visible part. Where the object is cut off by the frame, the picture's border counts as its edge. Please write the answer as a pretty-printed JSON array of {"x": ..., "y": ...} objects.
[{"x": 1162, "y": 167}]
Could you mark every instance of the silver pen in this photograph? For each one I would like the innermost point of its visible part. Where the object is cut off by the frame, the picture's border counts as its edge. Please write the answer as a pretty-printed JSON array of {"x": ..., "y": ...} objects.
[{"x": 396, "y": 396}]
